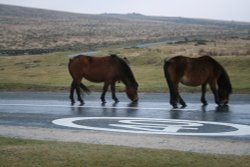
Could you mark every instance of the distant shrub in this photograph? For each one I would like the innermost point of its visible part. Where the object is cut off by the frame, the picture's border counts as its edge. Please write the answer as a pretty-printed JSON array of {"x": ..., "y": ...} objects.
[
  {"x": 200, "y": 42},
  {"x": 248, "y": 52}
]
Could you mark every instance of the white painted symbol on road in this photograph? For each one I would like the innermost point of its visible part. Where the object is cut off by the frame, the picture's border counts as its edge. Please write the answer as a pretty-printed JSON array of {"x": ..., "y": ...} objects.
[{"x": 155, "y": 126}]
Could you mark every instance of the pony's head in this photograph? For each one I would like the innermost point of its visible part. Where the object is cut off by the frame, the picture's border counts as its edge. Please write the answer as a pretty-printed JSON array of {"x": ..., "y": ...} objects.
[
  {"x": 127, "y": 77},
  {"x": 131, "y": 90},
  {"x": 223, "y": 96},
  {"x": 225, "y": 88}
]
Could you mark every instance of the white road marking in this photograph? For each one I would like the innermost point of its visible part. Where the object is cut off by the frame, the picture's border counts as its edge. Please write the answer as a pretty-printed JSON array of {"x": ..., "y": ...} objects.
[
  {"x": 148, "y": 126},
  {"x": 101, "y": 107}
]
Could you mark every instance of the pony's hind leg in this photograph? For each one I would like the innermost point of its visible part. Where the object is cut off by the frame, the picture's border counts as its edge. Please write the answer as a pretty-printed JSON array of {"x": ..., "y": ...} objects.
[
  {"x": 168, "y": 70},
  {"x": 173, "y": 98},
  {"x": 179, "y": 98},
  {"x": 78, "y": 91},
  {"x": 182, "y": 102},
  {"x": 71, "y": 96}
]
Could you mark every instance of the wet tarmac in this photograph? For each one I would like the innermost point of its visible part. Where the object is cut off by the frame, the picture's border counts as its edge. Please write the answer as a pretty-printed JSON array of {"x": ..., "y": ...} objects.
[{"x": 40, "y": 109}]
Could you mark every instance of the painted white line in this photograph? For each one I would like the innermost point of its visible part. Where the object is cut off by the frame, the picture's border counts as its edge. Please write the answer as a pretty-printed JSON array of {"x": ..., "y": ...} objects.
[{"x": 101, "y": 107}]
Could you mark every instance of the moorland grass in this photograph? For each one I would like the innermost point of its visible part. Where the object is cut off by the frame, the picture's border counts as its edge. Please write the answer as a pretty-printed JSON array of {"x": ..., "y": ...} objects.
[
  {"x": 30, "y": 153},
  {"x": 49, "y": 71}
]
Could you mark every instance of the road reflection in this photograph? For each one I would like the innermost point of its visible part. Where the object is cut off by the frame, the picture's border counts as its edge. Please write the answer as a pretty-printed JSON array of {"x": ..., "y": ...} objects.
[
  {"x": 194, "y": 111},
  {"x": 224, "y": 108}
]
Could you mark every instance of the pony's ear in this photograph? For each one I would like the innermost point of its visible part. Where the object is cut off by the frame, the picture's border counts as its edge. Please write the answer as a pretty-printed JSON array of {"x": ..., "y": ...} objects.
[{"x": 126, "y": 60}]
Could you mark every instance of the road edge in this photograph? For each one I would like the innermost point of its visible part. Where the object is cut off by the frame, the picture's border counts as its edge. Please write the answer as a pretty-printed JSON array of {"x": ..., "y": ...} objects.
[{"x": 180, "y": 143}]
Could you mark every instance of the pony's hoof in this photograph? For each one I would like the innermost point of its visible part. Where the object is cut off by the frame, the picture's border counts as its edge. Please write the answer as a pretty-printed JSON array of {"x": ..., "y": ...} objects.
[
  {"x": 116, "y": 100},
  {"x": 204, "y": 102},
  {"x": 81, "y": 104},
  {"x": 72, "y": 101},
  {"x": 184, "y": 106},
  {"x": 103, "y": 100},
  {"x": 175, "y": 106}
]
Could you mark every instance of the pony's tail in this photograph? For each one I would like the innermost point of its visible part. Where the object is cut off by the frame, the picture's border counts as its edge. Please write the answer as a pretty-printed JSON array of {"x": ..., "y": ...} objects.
[
  {"x": 82, "y": 86},
  {"x": 167, "y": 76},
  {"x": 224, "y": 81},
  {"x": 69, "y": 65}
]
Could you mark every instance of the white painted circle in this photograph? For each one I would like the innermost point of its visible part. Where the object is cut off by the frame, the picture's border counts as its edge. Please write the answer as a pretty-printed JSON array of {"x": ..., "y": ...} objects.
[{"x": 155, "y": 126}]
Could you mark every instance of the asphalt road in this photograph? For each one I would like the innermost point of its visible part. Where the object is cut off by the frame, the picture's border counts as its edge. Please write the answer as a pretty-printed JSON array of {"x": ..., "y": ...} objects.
[{"x": 153, "y": 114}]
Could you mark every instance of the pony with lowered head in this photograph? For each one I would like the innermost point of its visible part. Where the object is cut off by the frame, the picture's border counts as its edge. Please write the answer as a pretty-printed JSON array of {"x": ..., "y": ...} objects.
[
  {"x": 108, "y": 69},
  {"x": 194, "y": 72}
]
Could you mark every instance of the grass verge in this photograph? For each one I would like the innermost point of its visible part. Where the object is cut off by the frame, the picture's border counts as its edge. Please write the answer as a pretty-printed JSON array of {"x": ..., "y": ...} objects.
[{"x": 30, "y": 153}]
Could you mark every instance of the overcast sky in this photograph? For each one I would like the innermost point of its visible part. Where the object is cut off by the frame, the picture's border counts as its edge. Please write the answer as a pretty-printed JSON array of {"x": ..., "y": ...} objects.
[{"x": 237, "y": 10}]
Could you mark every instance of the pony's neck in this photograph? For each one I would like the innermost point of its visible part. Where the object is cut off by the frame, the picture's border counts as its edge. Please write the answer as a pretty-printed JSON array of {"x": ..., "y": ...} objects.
[
  {"x": 127, "y": 82},
  {"x": 224, "y": 81}
]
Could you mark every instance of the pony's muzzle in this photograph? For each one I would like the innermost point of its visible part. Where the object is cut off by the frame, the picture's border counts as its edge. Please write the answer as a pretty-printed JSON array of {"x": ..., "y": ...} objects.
[
  {"x": 136, "y": 99},
  {"x": 223, "y": 102}
]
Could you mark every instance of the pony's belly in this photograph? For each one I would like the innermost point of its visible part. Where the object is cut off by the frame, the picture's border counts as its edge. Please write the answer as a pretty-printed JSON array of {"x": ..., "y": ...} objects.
[
  {"x": 99, "y": 78},
  {"x": 96, "y": 80},
  {"x": 190, "y": 82}
]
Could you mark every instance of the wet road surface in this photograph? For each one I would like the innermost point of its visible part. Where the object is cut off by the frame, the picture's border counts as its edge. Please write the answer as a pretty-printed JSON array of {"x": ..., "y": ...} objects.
[{"x": 153, "y": 114}]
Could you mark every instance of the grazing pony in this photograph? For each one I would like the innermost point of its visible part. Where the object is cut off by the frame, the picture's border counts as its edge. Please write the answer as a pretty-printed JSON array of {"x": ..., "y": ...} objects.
[
  {"x": 107, "y": 69},
  {"x": 194, "y": 72}
]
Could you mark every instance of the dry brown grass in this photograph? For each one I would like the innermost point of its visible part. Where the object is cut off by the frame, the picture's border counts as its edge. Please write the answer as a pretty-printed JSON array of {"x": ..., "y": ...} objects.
[
  {"x": 25, "y": 28},
  {"x": 49, "y": 72}
]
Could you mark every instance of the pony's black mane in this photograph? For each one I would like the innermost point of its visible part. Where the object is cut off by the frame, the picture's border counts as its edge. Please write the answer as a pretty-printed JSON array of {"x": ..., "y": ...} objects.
[
  {"x": 125, "y": 67},
  {"x": 223, "y": 80}
]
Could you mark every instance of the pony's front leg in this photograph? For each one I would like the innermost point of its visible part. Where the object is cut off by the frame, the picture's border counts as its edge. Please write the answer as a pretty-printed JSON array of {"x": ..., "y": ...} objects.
[
  {"x": 113, "y": 93},
  {"x": 104, "y": 90},
  {"x": 215, "y": 92},
  {"x": 203, "y": 93},
  {"x": 173, "y": 103}
]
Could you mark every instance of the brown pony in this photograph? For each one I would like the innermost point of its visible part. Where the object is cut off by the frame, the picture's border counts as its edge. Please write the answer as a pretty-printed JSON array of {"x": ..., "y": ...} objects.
[
  {"x": 107, "y": 69},
  {"x": 194, "y": 72}
]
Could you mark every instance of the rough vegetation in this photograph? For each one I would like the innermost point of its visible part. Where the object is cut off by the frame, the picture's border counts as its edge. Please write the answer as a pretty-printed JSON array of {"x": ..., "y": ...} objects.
[
  {"x": 43, "y": 38},
  {"x": 49, "y": 71},
  {"x": 35, "y": 31}
]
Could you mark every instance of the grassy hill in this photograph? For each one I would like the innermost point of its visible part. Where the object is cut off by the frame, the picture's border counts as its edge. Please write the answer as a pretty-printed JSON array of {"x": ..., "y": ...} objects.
[
  {"x": 33, "y": 29},
  {"x": 36, "y": 31}
]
